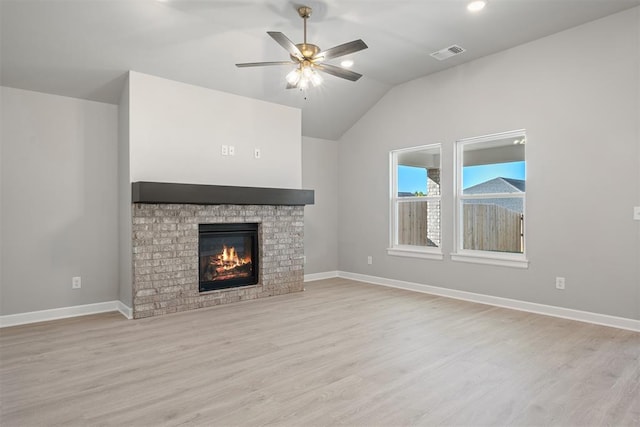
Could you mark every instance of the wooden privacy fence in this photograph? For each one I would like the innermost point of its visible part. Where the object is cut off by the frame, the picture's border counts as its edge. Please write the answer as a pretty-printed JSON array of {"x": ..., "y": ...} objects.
[
  {"x": 492, "y": 228},
  {"x": 412, "y": 223},
  {"x": 485, "y": 227},
  {"x": 415, "y": 227}
]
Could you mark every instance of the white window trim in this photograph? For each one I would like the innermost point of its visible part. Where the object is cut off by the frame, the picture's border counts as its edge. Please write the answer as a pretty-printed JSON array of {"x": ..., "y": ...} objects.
[
  {"x": 491, "y": 258},
  {"x": 394, "y": 249},
  {"x": 416, "y": 252},
  {"x": 475, "y": 256}
]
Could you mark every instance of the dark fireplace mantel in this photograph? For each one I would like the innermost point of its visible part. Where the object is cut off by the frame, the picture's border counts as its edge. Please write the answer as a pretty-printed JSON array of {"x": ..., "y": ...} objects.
[{"x": 164, "y": 192}]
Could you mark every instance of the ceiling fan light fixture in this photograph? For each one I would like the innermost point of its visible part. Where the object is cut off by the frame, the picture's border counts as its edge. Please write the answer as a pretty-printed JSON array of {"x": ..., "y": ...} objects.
[
  {"x": 303, "y": 75},
  {"x": 347, "y": 63},
  {"x": 316, "y": 79},
  {"x": 307, "y": 72},
  {"x": 294, "y": 76}
]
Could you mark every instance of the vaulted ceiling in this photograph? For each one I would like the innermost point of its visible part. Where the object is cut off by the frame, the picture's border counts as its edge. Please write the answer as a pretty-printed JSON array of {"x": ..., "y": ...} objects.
[{"x": 83, "y": 49}]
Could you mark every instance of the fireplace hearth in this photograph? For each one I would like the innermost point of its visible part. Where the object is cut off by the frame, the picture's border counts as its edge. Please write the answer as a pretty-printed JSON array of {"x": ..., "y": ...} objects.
[{"x": 228, "y": 256}]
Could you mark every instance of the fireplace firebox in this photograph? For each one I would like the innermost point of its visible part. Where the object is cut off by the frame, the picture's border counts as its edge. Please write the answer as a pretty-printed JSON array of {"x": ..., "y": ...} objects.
[{"x": 228, "y": 255}]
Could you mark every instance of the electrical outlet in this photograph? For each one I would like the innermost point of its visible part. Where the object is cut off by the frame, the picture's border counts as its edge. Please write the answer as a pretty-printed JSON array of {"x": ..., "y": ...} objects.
[
  {"x": 369, "y": 260},
  {"x": 256, "y": 153},
  {"x": 232, "y": 150},
  {"x": 225, "y": 150},
  {"x": 560, "y": 282},
  {"x": 76, "y": 282}
]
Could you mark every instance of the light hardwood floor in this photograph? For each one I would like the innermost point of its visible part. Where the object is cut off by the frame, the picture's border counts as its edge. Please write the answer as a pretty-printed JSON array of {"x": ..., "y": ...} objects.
[{"x": 341, "y": 352}]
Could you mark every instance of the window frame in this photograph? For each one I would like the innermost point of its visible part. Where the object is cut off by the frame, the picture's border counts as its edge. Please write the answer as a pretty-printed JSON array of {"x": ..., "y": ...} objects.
[
  {"x": 411, "y": 251},
  {"x": 504, "y": 259}
]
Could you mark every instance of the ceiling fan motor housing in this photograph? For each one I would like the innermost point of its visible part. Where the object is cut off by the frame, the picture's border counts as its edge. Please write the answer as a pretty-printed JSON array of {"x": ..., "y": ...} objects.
[{"x": 307, "y": 50}]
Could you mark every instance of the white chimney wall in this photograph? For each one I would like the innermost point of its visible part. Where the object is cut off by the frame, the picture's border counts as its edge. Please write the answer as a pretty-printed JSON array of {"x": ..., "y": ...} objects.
[{"x": 177, "y": 132}]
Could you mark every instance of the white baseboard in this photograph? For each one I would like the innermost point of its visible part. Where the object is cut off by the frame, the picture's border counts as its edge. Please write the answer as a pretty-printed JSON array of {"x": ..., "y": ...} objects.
[
  {"x": 320, "y": 276},
  {"x": 64, "y": 312},
  {"x": 125, "y": 310},
  {"x": 548, "y": 310}
]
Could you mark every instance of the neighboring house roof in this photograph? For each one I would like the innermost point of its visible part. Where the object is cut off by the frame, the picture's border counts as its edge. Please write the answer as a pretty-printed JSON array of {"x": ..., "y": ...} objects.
[
  {"x": 518, "y": 183},
  {"x": 499, "y": 185}
]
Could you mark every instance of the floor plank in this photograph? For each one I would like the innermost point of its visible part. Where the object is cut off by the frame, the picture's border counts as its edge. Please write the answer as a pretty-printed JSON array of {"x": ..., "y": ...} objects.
[{"x": 340, "y": 353}]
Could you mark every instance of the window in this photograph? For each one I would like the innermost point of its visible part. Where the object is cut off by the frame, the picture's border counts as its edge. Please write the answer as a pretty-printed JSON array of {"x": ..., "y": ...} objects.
[
  {"x": 415, "y": 202},
  {"x": 490, "y": 197}
]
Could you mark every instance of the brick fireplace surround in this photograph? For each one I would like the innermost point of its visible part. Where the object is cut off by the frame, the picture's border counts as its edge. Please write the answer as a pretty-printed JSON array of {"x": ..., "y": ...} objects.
[{"x": 165, "y": 242}]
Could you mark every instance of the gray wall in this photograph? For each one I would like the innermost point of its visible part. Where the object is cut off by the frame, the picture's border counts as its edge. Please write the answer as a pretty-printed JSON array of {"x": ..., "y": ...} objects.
[
  {"x": 320, "y": 173},
  {"x": 59, "y": 201},
  {"x": 125, "y": 291},
  {"x": 576, "y": 94}
]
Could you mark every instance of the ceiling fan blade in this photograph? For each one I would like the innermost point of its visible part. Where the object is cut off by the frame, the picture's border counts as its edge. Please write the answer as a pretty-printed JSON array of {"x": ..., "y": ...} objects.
[
  {"x": 341, "y": 50},
  {"x": 286, "y": 43},
  {"x": 263, "y": 64},
  {"x": 338, "y": 72}
]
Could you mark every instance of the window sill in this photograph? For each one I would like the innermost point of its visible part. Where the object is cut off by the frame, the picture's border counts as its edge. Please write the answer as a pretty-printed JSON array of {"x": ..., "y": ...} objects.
[
  {"x": 415, "y": 252},
  {"x": 492, "y": 259}
]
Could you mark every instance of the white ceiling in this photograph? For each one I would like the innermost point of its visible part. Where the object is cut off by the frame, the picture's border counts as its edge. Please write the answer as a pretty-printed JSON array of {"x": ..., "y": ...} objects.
[{"x": 83, "y": 48}]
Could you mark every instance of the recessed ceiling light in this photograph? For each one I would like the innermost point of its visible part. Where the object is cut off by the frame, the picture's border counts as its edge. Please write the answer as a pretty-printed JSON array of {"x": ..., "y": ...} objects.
[
  {"x": 347, "y": 63},
  {"x": 476, "y": 6}
]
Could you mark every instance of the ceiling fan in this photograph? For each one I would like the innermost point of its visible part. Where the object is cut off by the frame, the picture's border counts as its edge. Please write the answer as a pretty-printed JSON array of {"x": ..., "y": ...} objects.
[{"x": 309, "y": 58}]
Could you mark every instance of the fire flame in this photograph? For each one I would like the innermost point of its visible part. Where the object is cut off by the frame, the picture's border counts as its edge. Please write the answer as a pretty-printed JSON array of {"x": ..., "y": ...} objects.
[{"x": 229, "y": 259}]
